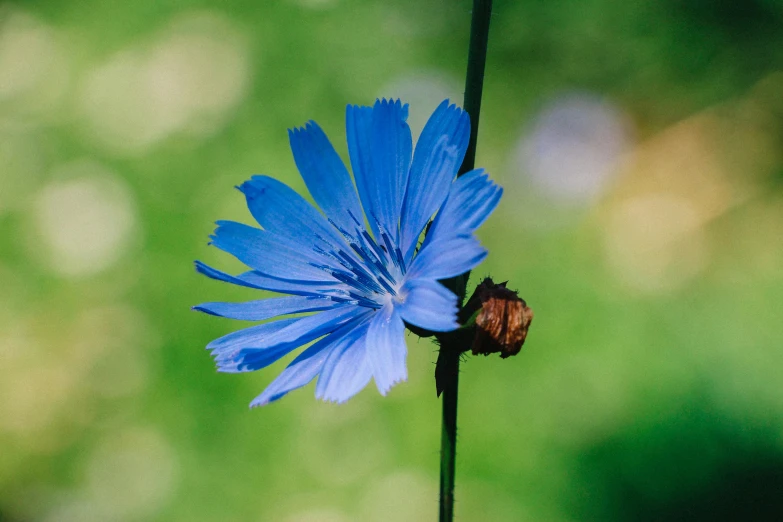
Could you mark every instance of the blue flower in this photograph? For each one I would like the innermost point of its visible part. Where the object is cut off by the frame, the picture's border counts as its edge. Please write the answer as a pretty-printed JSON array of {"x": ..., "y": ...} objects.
[{"x": 365, "y": 283}]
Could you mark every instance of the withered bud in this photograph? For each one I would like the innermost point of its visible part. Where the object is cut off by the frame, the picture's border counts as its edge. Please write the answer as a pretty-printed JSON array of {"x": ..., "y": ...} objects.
[{"x": 502, "y": 321}]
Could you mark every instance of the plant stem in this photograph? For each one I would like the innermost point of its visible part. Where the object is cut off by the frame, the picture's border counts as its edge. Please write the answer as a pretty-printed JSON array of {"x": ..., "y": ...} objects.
[
  {"x": 448, "y": 436},
  {"x": 474, "y": 79},
  {"x": 447, "y": 371}
]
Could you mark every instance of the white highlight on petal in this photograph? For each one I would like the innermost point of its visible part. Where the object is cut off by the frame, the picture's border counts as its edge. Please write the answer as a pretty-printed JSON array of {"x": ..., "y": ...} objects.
[
  {"x": 574, "y": 147},
  {"x": 88, "y": 223},
  {"x": 187, "y": 80}
]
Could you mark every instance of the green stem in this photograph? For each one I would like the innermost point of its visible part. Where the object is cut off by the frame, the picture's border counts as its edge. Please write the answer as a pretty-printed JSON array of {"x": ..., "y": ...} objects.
[
  {"x": 451, "y": 346},
  {"x": 448, "y": 436},
  {"x": 474, "y": 79}
]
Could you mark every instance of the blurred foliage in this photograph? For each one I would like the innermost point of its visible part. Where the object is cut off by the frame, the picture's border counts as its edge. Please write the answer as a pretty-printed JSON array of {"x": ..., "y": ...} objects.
[{"x": 649, "y": 387}]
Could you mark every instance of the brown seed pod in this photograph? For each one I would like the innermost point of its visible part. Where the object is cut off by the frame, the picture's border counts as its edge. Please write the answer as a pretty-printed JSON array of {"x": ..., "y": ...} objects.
[{"x": 502, "y": 321}]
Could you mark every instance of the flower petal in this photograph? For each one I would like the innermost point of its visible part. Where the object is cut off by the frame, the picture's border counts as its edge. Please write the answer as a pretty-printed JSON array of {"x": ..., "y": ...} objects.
[
  {"x": 439, "y": 153},
  {"x": 271, "y": 334},
  {"x": 280, "y": 210},
  {"x": 260, "y": 281},
  {"x": 471, "y": 200},
  {"x": 386, "y": 350},
  {"x": 251, "y": 359},
  {"x": 216, "y": 274},
  {"x": 325, "y": 175},
  {"x": 380, "y": 146},
  {"x": 299, "y": 373},
  {"x": 392, "y": 146},
  {"x": 358, "y": 121},
  {"x": 447, "y": 258},
  {"x": 262, "y": 309},
  {"x": 258, "y": 346},
  {"x": 428, "y": 304},
  {"x": 269, "y": 255},
  {"x": 346, "y": 370},
  {"x": 303, "y": 369}
]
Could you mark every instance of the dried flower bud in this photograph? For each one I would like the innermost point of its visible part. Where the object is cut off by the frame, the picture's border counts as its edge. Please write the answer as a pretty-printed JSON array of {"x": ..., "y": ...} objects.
[{"x": 502, "y": 319}]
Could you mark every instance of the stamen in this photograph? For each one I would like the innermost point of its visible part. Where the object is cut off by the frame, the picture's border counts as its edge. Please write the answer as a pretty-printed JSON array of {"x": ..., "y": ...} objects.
[
  {"x": 363, "y": 301},
  {"x": 390, "y": 249},
  {"x": 367, "y": 264}
]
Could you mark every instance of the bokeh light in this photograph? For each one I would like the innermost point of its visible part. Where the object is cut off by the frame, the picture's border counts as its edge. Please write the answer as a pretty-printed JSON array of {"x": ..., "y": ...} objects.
[
  {"x": 34, "y": 65},
  {"x": 186, "y": 79},
  {"x": 85, "y": 224},
  {"x": 574, "y": 147}
]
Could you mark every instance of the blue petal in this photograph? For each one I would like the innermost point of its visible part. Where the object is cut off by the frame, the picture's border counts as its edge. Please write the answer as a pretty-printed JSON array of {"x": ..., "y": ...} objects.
[
  {"x": 447, "y": 258},
  {"x": 262, "y": 282},
  {"x": 428, "y": 304},
  {"x": 280, "y": 210},
  {"x": 392, "y": 146},
  {"x": 295, "y": 287},
  {"x": 267, "y": 254},
  {"x": 358, "y": 121},
  {"x": 216, "y": 274},
  {"x": 303, "y": 369},
  {"x": 380, "y": 146},
  {"x": 300, "y": 372},
  {"x": 271, "y": 334},
  {"x": 267, "y": 308},
  {"x": 471, "y": 200},
  {"x": 325, "y": 175},
  {"x": 439, "y": 153},
  {"x": 346, "y": 370},
  {"x": 239, "y": 360},
  {"x": 386, "y": 350},
  {"x": 259, "y": 346}
]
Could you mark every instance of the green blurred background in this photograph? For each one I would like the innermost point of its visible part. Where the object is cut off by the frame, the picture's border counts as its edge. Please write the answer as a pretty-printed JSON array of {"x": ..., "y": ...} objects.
[{"x": 640, "y": 145}]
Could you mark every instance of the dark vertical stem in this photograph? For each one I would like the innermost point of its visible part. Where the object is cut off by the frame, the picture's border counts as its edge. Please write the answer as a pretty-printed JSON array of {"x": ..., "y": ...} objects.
[
  {"x": 448, "y": 436},
  {"x": 447, "y": 371},
  {"x": 474, "y": 80}
]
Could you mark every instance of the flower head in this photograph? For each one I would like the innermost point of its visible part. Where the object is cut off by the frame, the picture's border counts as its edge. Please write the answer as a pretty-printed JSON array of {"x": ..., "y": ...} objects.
[{"x": 360, "y": 264}]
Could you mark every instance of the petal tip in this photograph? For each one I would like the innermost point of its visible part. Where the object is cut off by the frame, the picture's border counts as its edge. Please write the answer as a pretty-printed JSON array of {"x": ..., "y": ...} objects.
[{"x": 258, "y": 402}]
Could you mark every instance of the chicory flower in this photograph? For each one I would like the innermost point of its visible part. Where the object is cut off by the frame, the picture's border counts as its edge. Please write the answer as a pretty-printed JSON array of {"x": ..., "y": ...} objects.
[{"x": 361, "y": 264}]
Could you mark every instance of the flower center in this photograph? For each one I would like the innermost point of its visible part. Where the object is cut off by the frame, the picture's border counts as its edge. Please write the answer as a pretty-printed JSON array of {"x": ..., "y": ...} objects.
[{"x": 374, "y": 269}]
